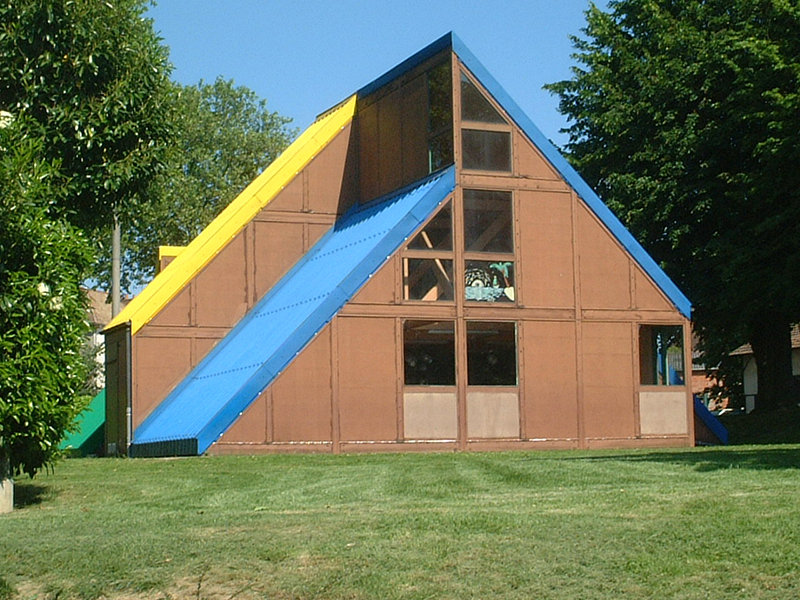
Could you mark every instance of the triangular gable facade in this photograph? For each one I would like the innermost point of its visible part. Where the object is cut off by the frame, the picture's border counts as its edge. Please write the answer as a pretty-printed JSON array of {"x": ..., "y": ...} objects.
[{"x": 423, "y": 270}]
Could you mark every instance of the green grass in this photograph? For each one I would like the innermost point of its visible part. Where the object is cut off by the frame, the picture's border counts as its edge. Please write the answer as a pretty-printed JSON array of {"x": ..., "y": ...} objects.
[{"x": 689, "y": 524}]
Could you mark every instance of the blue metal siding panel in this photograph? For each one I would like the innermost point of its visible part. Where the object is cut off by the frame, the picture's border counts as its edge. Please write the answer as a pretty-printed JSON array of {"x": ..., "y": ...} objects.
[
  {"x": 207, "y": 402},
  {"x": 572, "y": 177}
]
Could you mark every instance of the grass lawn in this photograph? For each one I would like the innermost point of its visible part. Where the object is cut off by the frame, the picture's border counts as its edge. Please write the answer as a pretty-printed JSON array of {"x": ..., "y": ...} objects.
[{"x": 696, "y": 523}]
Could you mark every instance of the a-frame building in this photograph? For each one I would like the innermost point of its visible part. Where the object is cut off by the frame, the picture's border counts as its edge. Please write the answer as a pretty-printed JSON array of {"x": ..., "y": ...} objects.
[{"x": 420, "y": 270}]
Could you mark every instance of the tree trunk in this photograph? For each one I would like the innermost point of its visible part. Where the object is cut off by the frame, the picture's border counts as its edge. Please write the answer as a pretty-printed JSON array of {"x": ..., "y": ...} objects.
[
  {"x": 771, "y": 340},
  {"x": 6, "y": 484}
]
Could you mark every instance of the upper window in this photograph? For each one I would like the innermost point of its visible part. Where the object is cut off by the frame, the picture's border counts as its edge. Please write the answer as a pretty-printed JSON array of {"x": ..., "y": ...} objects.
[
  {"x": 485, "y": 135},
  {"x": 474, "y": 106},
  {"x": 661, "y": 355}
]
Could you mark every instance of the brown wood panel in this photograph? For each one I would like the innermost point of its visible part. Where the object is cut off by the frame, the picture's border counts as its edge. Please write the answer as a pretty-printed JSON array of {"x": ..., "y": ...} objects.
[
  {"x": 604, "y": 265},
  {"x": 546, "y": 249},
  {"x": 159, "y": 364},
  {"x": 492, "y": 414},
  {"x": 221, "y": 288},
  {"x": 368, "y": 156},
  {"x": 250, "y": 427},
  {"x": 326, "y": 176},
  {"x": 289, "y": 198},
  {"x": 608, "y": 380},
  {"x": 648, "y": 295},
  {"x": 531, "y": 162},
  {"x": 315, "y": 232},
  {"x": 367, "y": 374},
  {"x": 301, "y": 396},
  {"x": 390, "y": 141},
  {"x": 278, "y": 246},
  {"x": 430, "y": 415},
  {"x": 415, "y": 130},
  {"x": 177, "y": 312},
  {"x": 202, "y": 346},
  {"x": 551, "y": 381},
  {"x": 380, "y": 289}
]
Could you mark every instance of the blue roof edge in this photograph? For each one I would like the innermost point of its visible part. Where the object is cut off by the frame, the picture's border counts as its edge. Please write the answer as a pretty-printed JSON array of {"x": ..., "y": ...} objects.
[
  {"x": 573, "y": 178},
  {"x": 243, "y": 397}
]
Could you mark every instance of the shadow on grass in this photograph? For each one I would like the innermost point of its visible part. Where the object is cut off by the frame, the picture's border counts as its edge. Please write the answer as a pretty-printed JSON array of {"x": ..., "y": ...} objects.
[
  {"x": 715, "y": 459},
  {"x": 27, "y": 493}
]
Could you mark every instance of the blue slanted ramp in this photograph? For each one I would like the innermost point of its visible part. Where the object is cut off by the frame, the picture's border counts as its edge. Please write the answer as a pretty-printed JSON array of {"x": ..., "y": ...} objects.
[
  {"x": 208, "y": 401},
  {"x": 709, "y": 430}
]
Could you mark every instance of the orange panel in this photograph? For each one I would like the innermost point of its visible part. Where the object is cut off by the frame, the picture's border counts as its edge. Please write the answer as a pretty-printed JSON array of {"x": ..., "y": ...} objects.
[
  {"x": 380, "y": 288},
  {"x": 159, "y": 364},
  {"x": 222, "y": 287},
  {"x": 288, "y": 199},
  {"x": 301, "y": 396},
  {"x": 278, "y": 246},
  {"x": 327, "y": 177},
  {"x": 251, "y": 426},
  {"x": 530, "y": 161},
  {"x": 551, "y": 381},
  {"x": 546, "y": 250},
  {"x": 608, "y": 389},
  {"x": 177, "y": 312},
  {"x": 604, "y": 265},
  {"x": 367, "y": 379},
  {"x": 648, "y": 295}
]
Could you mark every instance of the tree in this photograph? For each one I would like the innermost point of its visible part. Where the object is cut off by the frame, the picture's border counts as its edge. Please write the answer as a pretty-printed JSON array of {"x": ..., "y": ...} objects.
[
  {"x": 83, "y": 86},
  {"x": 91, "y": 80},
  {"x": 224, "y": 137},
  {"x": 42, "y": 309},
  {"x": 685, "y": 116}
]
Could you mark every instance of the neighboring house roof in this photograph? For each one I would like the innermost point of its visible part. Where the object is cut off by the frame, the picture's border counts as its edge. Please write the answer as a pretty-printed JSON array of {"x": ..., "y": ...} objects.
[
  {"x": 295, "y": 310},
  {"x": 188, "y": 263},
  {"x": 747, "y": 350}
]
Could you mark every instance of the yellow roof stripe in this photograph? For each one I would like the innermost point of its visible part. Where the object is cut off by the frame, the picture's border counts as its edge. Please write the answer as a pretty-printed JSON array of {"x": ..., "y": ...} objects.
[{"x": 188, "y": 263}]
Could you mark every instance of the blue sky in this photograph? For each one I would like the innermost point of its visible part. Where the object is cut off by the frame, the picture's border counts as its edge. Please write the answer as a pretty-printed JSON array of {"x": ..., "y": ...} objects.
[{"x": 305, "y": 56}]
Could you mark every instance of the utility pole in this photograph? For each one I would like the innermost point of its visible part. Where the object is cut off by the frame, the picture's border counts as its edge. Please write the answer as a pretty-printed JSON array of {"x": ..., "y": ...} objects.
[{"x": 116, "y": 244}]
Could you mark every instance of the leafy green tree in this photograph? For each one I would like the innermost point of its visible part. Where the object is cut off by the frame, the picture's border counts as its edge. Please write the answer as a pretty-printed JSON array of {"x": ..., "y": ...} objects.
[
  {"x": 42, "y": 308},
  {"x": 224, "y": 137},
  {"x": 91, "y": 80},
  {"x": 685, "y": 116},
  {"x": 83, "y": 127}
]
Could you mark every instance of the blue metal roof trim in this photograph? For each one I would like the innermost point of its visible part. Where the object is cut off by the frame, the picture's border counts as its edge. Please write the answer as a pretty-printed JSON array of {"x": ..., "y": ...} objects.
[
  {"x": 572, "y": 177},
  {"x": 208, "y": 401}
]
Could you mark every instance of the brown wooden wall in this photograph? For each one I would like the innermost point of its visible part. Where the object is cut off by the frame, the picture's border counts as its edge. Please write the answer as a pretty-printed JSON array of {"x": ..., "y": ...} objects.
[{"x": 580, "y": 299}]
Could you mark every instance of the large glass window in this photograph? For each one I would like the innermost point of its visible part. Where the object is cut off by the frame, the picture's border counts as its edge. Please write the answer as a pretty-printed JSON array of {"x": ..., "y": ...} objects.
[
  {"x": 428, "y": 260},
  {"x": 661, "y": 355},
  {"x": 437, "y": 234},
  {"x": 429, "y": 353},
  {"x": 487, "y": 221},
  {"x": 429, "y": 279},
  {"x": 491, "y": 353},
  {"x": 486, "y": 150},
  {"x": 488, "y": 246}
]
